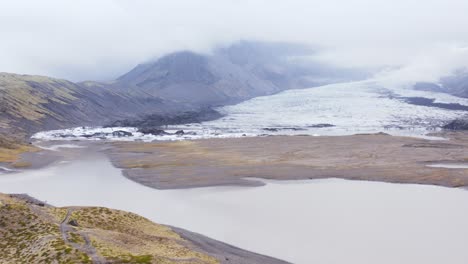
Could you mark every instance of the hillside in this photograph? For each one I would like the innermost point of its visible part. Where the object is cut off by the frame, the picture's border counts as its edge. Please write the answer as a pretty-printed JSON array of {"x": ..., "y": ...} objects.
[
  {"x": 34, "y": 232},
  {"x": 32, "y": 103}
]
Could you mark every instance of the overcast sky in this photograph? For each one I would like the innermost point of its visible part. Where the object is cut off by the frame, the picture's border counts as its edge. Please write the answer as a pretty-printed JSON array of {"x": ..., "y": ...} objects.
[{"x": 99, "y": 40}]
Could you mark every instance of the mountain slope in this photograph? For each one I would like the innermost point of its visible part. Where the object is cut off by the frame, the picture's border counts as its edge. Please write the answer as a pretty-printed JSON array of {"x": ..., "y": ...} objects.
[
  {"x": 231, "y": 74},
  {"x": 32, "y": 103},
  {"x": 195, "y": 79},
  {"x": 456, "y": 84},
  {"x": 178, "y": 82}
]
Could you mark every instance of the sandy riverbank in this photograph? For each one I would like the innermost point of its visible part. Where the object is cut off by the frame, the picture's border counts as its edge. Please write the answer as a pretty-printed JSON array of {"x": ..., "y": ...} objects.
[{"x": 210, "y": 162}]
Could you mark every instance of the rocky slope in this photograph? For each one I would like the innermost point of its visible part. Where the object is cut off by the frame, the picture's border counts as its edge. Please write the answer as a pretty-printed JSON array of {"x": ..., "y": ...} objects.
[
  {"x": 32, "y": 103},
  {"x": 34, "y": 232},
  {"x": 231, "y": 74}
]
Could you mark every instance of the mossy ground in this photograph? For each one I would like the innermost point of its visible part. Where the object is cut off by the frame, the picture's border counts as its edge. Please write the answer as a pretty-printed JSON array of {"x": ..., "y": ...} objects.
[
  {"x": 11, "y": 150},
  {"x": 31, "y": 233},
  {"x": 128, "y": 238},
  {"x": 27, "y": 236}
]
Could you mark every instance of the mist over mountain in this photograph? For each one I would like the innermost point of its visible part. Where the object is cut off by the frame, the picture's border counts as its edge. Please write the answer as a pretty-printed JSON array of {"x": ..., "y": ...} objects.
[
  {"x": 455, "y": 84},
  {"x": 231, "y": 74},
  {"x": 177, "y": 82}
]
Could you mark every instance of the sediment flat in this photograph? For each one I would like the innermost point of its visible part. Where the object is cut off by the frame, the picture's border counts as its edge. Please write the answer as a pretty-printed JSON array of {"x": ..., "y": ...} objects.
[{"x": 211, "y": 162}]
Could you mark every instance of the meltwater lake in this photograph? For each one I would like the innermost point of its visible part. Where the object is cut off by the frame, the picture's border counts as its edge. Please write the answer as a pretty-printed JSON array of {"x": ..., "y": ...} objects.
[{"x": 315, "y": 221}]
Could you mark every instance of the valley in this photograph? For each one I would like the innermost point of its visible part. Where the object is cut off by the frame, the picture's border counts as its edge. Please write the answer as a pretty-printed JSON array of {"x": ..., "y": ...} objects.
[
  {"x": 251, "y": 153},
  {"x": 186, "y": 164},
  {"x": 326, "y": 214}
]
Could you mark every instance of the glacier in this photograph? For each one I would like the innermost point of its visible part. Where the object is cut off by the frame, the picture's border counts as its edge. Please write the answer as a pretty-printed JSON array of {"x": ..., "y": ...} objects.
[{"x": 335, "y": 109}]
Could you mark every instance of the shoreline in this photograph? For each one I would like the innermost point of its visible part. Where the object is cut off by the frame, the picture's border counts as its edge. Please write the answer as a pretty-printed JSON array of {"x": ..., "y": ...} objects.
[
  {"x": 238, "y": 161},
  {"x": 93, "y": 181},
  {"x": 225, "y": 162},
  {"x": 225, "y": 157},
  {"x": 199, "y": 247}
]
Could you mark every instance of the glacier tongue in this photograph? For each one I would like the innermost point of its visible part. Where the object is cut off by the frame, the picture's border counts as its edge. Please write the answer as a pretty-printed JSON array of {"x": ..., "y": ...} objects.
[
  {"x": 357, "y": 107},
  {"x": 336, "y": 109}
]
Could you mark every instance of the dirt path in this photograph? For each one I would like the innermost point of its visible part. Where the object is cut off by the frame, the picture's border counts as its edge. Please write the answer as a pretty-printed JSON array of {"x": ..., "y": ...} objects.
[{"x": 87, "y": 248}]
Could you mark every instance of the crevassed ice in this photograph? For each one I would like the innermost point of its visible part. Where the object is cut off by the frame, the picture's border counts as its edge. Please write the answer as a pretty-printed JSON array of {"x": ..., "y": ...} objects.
[{"x": 357, "y": 107}]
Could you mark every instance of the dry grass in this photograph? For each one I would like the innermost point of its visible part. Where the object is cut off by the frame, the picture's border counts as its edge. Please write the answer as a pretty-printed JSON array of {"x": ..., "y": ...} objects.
[
  {"x": 11, "y": 150},
  {"x": 20, "y": 97},
  {"x": 182, "y": 153},
  {"x": 364, "y": 157},
  {"x": 126, "y": 237},
  {"x": 30, "y": 237},
  {"x": 31, "y": 234}
]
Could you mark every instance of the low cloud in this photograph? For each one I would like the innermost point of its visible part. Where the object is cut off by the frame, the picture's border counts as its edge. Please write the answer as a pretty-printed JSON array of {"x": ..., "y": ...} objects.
[
  {"x": 427, "y": 66},
  {"x": 100, "y": 40}
]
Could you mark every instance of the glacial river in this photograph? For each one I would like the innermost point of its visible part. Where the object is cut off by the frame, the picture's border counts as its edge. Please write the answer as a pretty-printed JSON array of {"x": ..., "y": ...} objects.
[{"x": 316, "y": 221}]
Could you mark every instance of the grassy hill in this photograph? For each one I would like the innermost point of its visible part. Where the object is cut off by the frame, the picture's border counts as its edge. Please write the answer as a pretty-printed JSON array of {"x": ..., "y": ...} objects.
[
  {"x": 31, "y": 103},
  {"x": 32, "y": 232}
]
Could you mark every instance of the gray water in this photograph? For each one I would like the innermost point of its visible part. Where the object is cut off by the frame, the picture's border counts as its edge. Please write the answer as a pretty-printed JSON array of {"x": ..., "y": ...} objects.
[{"x": 316, "y": 221}]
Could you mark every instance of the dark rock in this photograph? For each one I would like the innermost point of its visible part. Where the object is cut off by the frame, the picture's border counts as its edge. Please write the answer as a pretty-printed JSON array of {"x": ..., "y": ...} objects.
[
  {"x": 180, "y": 133},
  {"x": 293, "y": 128},
  {"x": 121, "y": 133},
  {"x": 430, "y": 102},
  {"x": 153, "y": 131},
  {"x": 276, "y": 129},
  {"x": 321, "y": 125},
  {"x": 95, "y": 135},
  {"x": 394, "y": 127},
  {"x": 159, "y": 120},
  {"x": 73, "y": 222},
  {"x": 457, "y": 124},
  {"x": 67, "y": 136},
  {"x": 100, "y": 135}
]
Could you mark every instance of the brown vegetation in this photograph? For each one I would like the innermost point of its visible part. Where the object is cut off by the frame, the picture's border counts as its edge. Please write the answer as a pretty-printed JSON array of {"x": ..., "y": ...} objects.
[
  {"x": 230, "y": 161},
  {"x": 31, "y": 233},
  {"x": 11, "y": 150}
]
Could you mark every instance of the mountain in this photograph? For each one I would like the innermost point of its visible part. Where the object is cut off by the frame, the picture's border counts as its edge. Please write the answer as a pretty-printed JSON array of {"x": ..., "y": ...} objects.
[
  {"x": 178, "y": 82},
  {"x": 32, "y": 103},
  {"x": 455, "y": 84},
  {"x": 230, "y": 74}
]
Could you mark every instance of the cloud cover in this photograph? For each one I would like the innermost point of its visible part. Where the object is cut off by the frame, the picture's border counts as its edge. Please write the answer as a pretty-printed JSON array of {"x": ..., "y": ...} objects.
[{"x": 100, "y": 40}]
